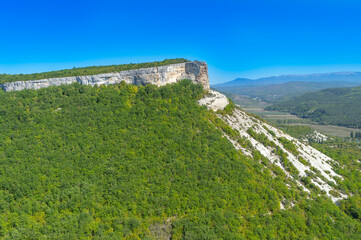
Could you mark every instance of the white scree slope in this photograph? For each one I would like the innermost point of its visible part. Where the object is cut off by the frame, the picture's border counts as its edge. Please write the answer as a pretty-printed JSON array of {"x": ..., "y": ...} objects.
[{"x": 241, "y": 122}]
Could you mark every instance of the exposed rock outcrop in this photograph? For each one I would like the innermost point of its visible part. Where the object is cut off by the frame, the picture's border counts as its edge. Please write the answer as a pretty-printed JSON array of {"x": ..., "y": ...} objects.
[
  {"x": 195, "y": 71},
  {"x": 214, "y": 100}
]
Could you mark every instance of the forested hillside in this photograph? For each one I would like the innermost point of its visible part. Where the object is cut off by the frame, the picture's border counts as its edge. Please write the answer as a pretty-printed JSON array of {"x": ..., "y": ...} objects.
[
  {"x": 274, "y": 92},
  {"x": 134, "y": 162},
  {"x": 84, "y": 71},
  {"x": 335, "y": 106}
]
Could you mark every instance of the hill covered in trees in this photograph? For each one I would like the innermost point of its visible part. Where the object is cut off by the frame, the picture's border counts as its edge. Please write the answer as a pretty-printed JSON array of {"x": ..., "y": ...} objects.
[
  {"x": 274, "y": 92},
  {"x": 134, "y": 162},
  {"x": 335, "y": 106},
  {"x": 84, "y": 71}
]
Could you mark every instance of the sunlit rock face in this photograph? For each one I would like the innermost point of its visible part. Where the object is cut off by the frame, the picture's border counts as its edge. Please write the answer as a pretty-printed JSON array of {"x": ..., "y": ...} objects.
[
  {"x": 195, "y": 71},
  {"x": 214, "y": 100}
]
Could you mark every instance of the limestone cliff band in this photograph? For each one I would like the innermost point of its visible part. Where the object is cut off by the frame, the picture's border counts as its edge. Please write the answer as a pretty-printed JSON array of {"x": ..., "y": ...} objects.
[{"x": 196, "y": 71}]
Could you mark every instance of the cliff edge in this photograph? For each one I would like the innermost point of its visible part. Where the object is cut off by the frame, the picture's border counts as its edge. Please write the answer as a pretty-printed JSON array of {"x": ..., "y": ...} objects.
[{"x": 195, "y": 71}]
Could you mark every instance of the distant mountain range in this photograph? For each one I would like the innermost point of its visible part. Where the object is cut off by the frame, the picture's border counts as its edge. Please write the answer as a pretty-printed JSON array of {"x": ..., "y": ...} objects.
[
  {"x": 318, "y": 77},
  {"x": 278, "y": 87}
]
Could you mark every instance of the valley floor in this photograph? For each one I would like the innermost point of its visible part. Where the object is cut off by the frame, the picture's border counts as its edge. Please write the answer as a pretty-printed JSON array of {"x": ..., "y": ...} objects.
[{"x": 289, "y": 119}]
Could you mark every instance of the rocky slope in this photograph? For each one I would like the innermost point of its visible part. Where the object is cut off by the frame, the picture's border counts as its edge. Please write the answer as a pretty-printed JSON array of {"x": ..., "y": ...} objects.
[
  {"x": 308, "y": 167},
  {"x": 195, "y": 71}
]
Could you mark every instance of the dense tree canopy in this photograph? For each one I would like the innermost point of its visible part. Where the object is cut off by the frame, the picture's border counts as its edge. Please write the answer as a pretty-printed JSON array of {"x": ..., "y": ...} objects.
[
  {"x": 334, "y": 106},
  {"x": 134, "y": 162}
]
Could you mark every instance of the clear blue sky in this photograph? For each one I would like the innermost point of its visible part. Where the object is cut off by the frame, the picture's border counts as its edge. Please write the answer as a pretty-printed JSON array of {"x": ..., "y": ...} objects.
[{"x": 236, "y": 38}]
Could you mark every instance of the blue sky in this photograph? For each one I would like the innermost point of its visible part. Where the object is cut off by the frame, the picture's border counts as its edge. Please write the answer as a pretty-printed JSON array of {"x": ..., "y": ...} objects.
[{"x": 236, "y": 38}]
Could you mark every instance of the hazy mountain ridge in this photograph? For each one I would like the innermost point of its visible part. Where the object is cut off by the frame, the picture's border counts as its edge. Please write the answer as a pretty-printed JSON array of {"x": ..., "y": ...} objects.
[
  {"x": 275, "y": 92},
  {"x": 272, "y": 89},
  {"x": 317, "y": 77}
]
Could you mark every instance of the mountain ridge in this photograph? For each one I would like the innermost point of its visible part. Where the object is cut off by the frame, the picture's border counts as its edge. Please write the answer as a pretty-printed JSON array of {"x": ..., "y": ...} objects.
[
  {"x": 317, "y": 77},
  {"x": 276, "y": 88},
  {"x": 158, "y": 75},
  {"x": 86, "y": 71}
]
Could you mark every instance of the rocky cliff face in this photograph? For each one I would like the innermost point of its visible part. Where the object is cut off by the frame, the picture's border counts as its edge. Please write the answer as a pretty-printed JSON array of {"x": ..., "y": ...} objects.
[
  {"x": 195, "y": 71},
  {"x": 214, "y": 101}
]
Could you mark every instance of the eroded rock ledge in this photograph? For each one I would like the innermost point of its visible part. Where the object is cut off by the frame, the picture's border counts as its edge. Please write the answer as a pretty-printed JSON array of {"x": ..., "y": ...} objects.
[
  {"x": 195, "y": 71},
  {"x": 214, "y": 100}
]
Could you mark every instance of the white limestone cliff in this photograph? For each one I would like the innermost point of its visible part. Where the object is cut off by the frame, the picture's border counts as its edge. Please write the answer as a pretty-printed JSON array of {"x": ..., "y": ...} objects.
[
  {"x": 195, "y": 71},
  {"x": 214, "y": 100}
]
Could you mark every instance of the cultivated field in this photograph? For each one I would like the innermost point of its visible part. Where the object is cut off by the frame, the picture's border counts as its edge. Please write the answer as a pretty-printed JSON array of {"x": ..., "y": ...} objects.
[{"x": 286, "y": 118}]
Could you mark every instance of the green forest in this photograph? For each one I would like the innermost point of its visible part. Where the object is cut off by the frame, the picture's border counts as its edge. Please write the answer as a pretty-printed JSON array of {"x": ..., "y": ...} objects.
[
  {"x": 334, "y": 106},
  {"x": 347, "y": 152},
  {"x": 145, "y": 162},
  {"x": 84, "y": 71}
]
